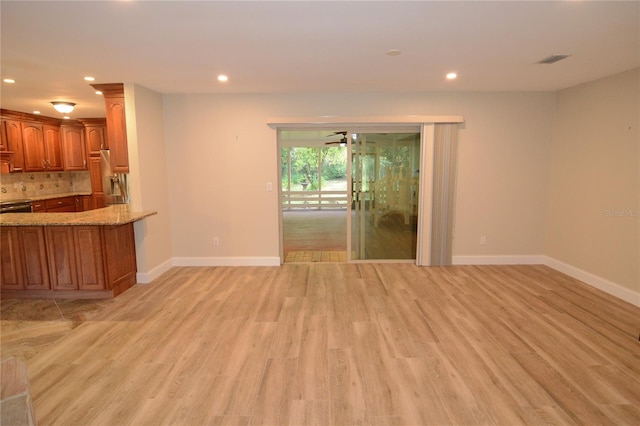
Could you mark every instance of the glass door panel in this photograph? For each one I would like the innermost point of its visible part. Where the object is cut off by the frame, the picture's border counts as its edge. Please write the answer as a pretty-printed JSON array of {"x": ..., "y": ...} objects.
[{"x": 385, "y": 176}]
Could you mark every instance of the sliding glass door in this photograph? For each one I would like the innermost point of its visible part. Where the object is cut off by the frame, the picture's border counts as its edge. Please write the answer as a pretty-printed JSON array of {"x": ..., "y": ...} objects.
[{"x": 385, "y": 171}]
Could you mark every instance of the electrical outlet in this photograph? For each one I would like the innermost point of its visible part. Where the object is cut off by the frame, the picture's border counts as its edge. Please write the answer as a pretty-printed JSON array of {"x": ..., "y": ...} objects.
[
  {"x": 483, "y": 240},
  {"x": 216, "y": 241}
]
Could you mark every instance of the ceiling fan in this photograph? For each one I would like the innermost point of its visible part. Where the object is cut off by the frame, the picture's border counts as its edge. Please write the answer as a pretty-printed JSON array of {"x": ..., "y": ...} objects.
[{"x": 341, "y": 142}]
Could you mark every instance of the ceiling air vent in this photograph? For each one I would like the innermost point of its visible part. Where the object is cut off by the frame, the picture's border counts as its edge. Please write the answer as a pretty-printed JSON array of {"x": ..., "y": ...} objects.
[{"x": 553, "y": 59}]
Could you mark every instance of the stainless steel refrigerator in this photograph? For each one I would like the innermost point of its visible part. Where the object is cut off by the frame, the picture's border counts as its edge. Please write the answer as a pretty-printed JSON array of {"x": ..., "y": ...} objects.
[{"x": 115, "y": 185}]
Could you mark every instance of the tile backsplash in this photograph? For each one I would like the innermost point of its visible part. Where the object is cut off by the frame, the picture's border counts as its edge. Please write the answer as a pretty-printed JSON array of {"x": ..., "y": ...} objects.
[{"x": 27, "y": 185}]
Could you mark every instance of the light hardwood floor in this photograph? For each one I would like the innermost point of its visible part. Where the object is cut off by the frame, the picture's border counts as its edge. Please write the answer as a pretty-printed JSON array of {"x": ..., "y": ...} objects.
[{"x": 338, "y": 344}]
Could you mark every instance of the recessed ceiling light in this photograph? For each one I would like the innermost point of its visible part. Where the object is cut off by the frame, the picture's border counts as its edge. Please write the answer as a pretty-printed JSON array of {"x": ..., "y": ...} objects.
[
  {"x": 98, "y": 92},
  {"x": 452, "y": 76},
  {"x": 9, "y": 80},
  {"x": 89, "y": 78},
  {"x": 394, "y": 52},
  {"x": 66, "y": 117},
  {"x": 223, "y": 77},
  {"x": 36, "y": 112}
]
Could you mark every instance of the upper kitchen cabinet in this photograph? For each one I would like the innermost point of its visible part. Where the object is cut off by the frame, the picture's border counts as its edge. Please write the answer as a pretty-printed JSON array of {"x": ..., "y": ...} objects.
[
  {"x": 12, "y": 129},
  {"x": 116, "y": 125},
  {"x": 34, "y": 142},
  {"x": 95, "y": 135},
  {"x": 73, "y": 147},
  {"x": 53, "y": 148},
  {"x": 42, "y": 148}
]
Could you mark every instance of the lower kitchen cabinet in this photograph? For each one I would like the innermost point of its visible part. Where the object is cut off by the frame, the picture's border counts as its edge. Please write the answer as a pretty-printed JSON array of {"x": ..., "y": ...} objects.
[
  {"x": 11, "y": 273},
  {"x": 33, "y": 253},
  {"x": 90, "y": 259},
  {"x": 84, "y": 261},
  {"x": 62, "y": 257}
]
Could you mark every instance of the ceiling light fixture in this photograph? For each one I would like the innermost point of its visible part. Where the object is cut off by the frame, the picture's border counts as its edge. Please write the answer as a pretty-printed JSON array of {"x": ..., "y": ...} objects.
[
  {"x": 9, "y": 80},
  {"x": 98, "y": 92},
  {"x": 452, "y": 76},
  {"x": 63, "y": 107},
  {"x": 36, "y": 112},
  {"x": 223, "y": 78},
  {"x": 89, "y": 78}
]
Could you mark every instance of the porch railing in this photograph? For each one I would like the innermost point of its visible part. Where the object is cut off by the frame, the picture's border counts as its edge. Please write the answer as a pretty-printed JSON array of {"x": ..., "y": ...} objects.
[{"x": 318, "y": 200}]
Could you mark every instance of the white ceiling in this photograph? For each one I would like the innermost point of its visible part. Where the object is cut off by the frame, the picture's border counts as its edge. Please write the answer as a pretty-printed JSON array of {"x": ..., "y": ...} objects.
[{"x": 302, "y": 46}]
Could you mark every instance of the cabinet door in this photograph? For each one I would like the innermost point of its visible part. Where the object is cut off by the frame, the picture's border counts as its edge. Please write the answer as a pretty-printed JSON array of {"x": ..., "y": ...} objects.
[
  {"x": 89, "y": 255},
  {"x": 75, "y": 157},
  {"x": 62, "y": 258},
  {"x": 53, "y": 148},
  {"x": 10, "y": 260},
  {"x": 117, "y": 134},
  {"x": 34, "y": 257},
  {"x": 13, "y": 130},
  {"x": 95, "y": 173},
  {"x": 96, "y": 138},
  {"x": 33, "y": 144},
  {"x": 3, "y": 137}
]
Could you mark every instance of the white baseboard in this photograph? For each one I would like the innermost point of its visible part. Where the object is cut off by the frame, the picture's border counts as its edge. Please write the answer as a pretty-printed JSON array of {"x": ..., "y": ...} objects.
[
  {"x": 147, "y": 277},
  {"x": 600, "y": 283},
  {"x": 593, "y": 280},
  {"x": 498, "y": 260},
  {"x": 226, "y": 261}
]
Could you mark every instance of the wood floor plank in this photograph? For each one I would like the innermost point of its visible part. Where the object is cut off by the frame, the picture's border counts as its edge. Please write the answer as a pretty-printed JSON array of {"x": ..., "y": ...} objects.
[{"x": 335, "y": 344}]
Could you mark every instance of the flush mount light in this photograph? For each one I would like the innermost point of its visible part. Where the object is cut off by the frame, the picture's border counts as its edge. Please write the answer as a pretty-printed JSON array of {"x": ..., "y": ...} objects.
[
  {"x": 9, "y": 80},
  {"x": 223, "y": 78},
  {"x": 63, "y": 107},
  {"x": 452, "y": 76}
]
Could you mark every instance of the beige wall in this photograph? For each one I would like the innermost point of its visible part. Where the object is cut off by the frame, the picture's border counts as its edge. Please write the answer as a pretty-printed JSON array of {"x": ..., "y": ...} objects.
[
  {"x": 148, "y": 180},
  {"x": 221, "y": 154},
  {"x": 594, "y": 187}
]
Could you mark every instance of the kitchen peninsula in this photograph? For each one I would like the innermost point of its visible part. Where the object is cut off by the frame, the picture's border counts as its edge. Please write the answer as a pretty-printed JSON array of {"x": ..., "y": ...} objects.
[{"x": 88, "y": 254}]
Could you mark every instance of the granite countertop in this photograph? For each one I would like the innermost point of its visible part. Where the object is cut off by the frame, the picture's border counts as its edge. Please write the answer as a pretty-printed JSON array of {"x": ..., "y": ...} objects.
[{"x": 112, "y": 215}]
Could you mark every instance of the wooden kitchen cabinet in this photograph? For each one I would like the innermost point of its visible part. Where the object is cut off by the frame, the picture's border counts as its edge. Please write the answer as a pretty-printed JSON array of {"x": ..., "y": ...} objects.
[
  {"x": 116, "y": 125},
  {"x": 96, "y": 138},
  {"x": 84, "y": 261},
  {"x": 73, "y": 147},
  {"x": 62, "y": 204},
  {"x": 11, "y": 276},
  {"x": 33, "y": 255},
  {"x": 53, "y": 148},
  {"x": 62, "y": 257},
  {"x": 3, "y": 137},
  {"x": 97, "y": 190},
  {"x": 90, "y": 258},
  {"x": 13, "y": 133},
  {"x": 42, "y": 147},
  {"x": 33, "y": 145}
]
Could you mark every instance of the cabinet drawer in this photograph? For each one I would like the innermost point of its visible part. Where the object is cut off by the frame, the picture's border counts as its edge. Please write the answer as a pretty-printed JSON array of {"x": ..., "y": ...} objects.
[
  {"x": 38, "y": 207},
  {"x": 56, "y": 203}
]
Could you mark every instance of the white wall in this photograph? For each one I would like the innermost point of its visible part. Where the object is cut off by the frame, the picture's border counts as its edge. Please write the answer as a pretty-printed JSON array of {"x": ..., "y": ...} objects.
[
  {"x": 594, "y": 192},
  {"x": 148, "y": 180},
  {"x": 221, "y": 154}
]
